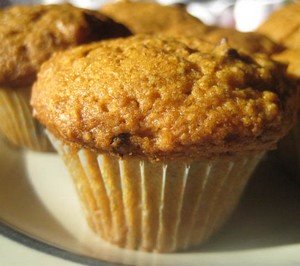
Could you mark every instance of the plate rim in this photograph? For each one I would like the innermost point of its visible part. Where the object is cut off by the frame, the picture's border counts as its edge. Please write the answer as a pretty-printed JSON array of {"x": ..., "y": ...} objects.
[{"x": 20, "y": 237}]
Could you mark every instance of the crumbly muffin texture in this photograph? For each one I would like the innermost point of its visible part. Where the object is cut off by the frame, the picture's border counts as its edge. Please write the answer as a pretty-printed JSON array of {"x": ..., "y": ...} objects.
[
  {"x": 30, "y": 34},
  {"x": 284, "y": 26},
  {"x": 248, "y": 42},
  {"x": 158, "y": 97},
  {"x": 148, "y": 18}
]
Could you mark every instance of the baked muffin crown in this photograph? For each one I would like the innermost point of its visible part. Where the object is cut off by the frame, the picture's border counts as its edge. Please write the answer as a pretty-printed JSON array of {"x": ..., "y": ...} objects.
[
  {"x": 157, "y": 97},
  {"x": 283, "y": 26},
  {"x": 30, "y": 34},
  {"x": 148, "y": 18},
  {"x": 248, "y": 42}
]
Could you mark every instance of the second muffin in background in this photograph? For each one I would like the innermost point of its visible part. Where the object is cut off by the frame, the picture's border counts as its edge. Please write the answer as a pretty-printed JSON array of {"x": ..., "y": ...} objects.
[
  {"x": 160, "y": 138},
  {"x": 29, "y": 35},
  {"x": 151, "y": 18}
]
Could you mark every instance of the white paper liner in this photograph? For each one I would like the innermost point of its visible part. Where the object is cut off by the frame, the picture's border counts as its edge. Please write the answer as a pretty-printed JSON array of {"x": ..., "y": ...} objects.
[
  {"x": 160, "y": 207},
  {"x": 17, "y": 123}
]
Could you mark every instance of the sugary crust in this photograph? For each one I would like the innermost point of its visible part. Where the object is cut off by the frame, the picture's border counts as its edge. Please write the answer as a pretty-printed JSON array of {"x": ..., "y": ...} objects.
[
  {"x": 248, "y": 42},
  {"x": 161, "y": 98},
  {"x": 148, "y": 18},
  {"x": 30, "y": 34},
  {"x": 284, "y": 26}
]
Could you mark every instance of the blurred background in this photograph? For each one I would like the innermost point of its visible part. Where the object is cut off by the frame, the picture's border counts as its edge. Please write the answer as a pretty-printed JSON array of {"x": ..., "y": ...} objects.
[{"x": 244, "y": 15}]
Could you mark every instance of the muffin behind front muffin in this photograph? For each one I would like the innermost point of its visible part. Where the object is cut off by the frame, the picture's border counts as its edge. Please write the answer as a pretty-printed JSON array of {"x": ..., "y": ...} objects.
[
  {"x": 151, "y": 18},
  {"x": 248, "y": 42},
  {"x": 161, "y": 138},
  {"x": 29, "y": 36},
  {"x": 174, "y": 21}
]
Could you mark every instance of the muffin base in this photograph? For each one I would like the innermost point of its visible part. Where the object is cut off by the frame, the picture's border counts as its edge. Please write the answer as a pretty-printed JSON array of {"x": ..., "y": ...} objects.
[
  {"x": 17, "y": 123},
  {"x": 155, "y": 206}
]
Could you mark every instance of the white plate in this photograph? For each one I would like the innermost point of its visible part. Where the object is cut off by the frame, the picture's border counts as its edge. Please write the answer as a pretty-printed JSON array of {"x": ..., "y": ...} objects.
[{"x": 39, "y": 208}]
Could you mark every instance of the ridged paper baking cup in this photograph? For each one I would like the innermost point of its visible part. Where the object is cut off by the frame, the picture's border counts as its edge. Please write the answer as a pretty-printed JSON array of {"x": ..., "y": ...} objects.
[
  {"x": 154, "y": 206},
  {"x": 17, "y": 123}
]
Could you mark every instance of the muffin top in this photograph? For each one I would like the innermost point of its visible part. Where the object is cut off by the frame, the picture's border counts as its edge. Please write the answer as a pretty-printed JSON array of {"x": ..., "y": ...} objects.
[
  {"x": 284, "y": 26},
  {"x": 146, "y": 17},
  {"x": 157, "y": 97},
  {"x": 248, "y": 42},
  {"x": 30, "y": 34}
]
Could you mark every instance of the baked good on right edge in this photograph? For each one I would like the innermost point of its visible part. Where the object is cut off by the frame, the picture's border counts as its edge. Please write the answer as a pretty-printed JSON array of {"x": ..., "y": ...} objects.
[
  {"x": 161, "y": 138},
  {"x": 283, "y": 26},
  {"x": 289, "y": 147}
]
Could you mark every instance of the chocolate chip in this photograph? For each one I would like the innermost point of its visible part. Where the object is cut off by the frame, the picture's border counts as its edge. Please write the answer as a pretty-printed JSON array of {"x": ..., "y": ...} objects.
[
  {"x": 232, "y": 53},
  {"x": 120, "y": 142}
]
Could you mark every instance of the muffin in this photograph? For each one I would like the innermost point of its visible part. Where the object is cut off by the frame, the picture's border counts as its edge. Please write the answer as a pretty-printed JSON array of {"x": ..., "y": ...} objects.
[
  {"x": 283, "y": 26},
  {"x": 161, "y": 138},
  {"x": 149, "y": 18},
  {"x": 29, "y": 36},
  {"x": 289, "y": 147},
  {"x": 248, "y": 42}
]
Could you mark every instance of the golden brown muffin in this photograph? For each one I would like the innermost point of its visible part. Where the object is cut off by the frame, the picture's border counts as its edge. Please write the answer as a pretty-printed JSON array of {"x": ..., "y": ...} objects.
[
  {"x": 159, "y": 97},
  {"x": 30, "y": 34},
  {"x": 248, "y": 42},
  {"x": 145, "y": 17},
  {"x": 151, "y": 97},
  {"x": 283, "y": 26}
]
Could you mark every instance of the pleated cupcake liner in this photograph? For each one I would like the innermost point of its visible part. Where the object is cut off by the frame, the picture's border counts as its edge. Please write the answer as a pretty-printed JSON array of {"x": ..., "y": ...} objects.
[
  {"x": 154, "y": 206},
  {"x": 17, "y": 124}
]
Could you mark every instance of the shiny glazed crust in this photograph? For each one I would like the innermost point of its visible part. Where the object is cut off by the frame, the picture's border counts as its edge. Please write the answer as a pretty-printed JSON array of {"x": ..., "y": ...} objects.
[
  {"x": 30, "y": 34},
  {"x": 158, "y": 97}
]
